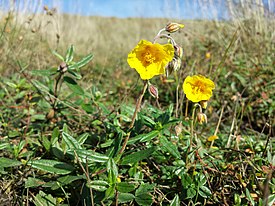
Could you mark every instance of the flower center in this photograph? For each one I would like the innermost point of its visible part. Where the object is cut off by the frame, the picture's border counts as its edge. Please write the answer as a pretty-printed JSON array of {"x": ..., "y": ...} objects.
[
  {"x": 148, "y": 59},
  {"x": 198, "y": 87}
]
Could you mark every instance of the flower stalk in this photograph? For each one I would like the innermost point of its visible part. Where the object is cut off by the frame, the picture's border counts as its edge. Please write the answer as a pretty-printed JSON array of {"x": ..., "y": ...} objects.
[{"x": 139, "y": 100}]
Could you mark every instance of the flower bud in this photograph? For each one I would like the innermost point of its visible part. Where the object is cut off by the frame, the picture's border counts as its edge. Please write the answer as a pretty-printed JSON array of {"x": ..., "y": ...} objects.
[
  {"x": 50, "y": 114},
  {"x": 201, "y": 117},
  {"x": 178, "y": 51},
  {"x": 203, "y": 104},
  {"x": 153, "y": 91},
  {"x": 63, "y": 67},
  {"x": 173, "y": 27}
]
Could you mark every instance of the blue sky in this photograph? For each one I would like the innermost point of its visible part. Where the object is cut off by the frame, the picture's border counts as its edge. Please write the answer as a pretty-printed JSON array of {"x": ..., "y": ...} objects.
[
  {"x": 180, "y": 9},
  {"x": 187, "y": 9}
]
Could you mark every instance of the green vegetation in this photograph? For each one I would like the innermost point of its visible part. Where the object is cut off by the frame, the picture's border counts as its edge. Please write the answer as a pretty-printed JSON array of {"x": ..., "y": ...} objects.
[{"x": 67, "y": 98}]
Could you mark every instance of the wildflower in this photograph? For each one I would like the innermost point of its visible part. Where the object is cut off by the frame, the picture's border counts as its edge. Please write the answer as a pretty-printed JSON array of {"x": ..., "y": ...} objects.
[
  {"x": 150, "y": 59},
  {"x": 173, "y": 27},
  {"x": 207, "y": 55},
  {"x": 212, "y": 138},
  {"x": 198, "y": 88}
]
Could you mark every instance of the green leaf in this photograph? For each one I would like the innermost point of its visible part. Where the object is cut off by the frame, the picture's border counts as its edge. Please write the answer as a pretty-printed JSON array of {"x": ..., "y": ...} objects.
[
  {"x": 88, "y": 155},
  {"x": 201, "y": 179},
  {"x": 69, "y": 54},
  {"x": 4, "y": 146},
  {"x": 44, "y": 72},
  {"x": 169, "y": 147},
  {"x": 138, "y": 156},
  {"x": 46, "y": 143},
  {"x": 82, "y": 62},
  {"x": 110, "y": 191},
  {"x": 70, "y": 141},
  {"x": 43, "y": 199},
  {"x": 248, "y": 195},
  {"x": 68, "y": 179},
  {"x": 204, "y": 192},
  {"x": 144, "y": 137},
  {"x": 190, "y": 193},
  {"x": 125, "y": 197},
  {"x": 55, "y": 135},
  {"x": 271, "y": 199},
  {"x": 143, "y": 196},
  {"x": 82, "y": 138},
  {"x": 112, "y": 171},
  {"x": 33, "y": 182},
  {"x": 5, "y": 162},
  {"x": 237, "y": 199},
  {"x": 126, "y": 187},
  {"x": 98, "y": 185},
  {"x": 75, "y": 74},
  {"x": 72, "y": 84},
  {"x": 51, "y": 166},
  {"x": 175, "y": 201},
  {"x": 186, "y": 180},
  {"x": 40, "y": 86},
  {"x": 149, "y": 136},
  {"x": 144, "y": 199},
  {"x": 58, "y": 55},
  {"x": 240, "y": 78}
]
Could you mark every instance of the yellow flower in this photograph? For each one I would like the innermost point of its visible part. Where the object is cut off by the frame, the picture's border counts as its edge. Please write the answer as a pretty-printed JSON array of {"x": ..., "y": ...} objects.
[
  {"x": 212, "y": 138},
  {"x": 198, "y": 88},
  {"x": 150, "y": 59}
]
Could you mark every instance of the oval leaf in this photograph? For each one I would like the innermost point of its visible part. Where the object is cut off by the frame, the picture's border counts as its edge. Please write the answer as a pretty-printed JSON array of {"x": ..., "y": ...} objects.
[
  {"x": 137, "y": 156},
  {"x": 51, "y": 166},
  {"x": 5, "y": 162}
]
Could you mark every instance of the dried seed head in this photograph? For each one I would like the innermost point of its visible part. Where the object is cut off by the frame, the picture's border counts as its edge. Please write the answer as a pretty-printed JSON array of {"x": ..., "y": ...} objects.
[
  {"x": 173, "y": 27},
  {"x": 173, "y": 65},
  {"x": 178, "y": 51},
  {"x": 202, "y": 118}
]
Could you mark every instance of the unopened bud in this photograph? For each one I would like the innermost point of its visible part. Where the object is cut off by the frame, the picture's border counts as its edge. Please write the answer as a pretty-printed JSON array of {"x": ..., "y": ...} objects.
[
  {"x": 203, "y": 104},
  {"x": 178, "y": 51},
  {"x": 153, "y": 91},
  {"x": 46, "y": 8},
  {"x": 173, "y": 27},
  {"x": 202, "y": 118},
  {"x": 50, "y": 115},
  {"x": 63, "y": 67}
]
